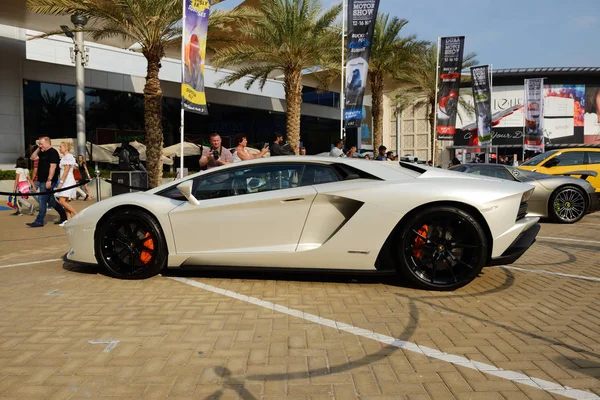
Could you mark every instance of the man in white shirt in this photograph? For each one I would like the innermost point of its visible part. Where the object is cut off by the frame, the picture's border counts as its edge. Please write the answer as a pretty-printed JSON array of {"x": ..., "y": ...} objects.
[{"x": 338, "y": 152}]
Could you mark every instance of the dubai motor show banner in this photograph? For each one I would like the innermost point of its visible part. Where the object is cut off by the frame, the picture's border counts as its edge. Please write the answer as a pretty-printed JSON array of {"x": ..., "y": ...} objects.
[
  {"x": 451, "y": 58},
  {"x": 195, "y": 26},
  {"x": 534, "y": 115},
  {"x": 361, "y": 24},
  {"x": 482, "y": 97}
]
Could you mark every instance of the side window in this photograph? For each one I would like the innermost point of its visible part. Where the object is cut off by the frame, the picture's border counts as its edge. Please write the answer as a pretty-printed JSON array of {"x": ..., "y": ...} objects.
[
  {"x": 255, "y": 179},
  {"x": 317, "y": 174},
  {"x": 500, "y": 173},
  {"x": 570, "y": 158},
  {"x": 594, "y": 157}
]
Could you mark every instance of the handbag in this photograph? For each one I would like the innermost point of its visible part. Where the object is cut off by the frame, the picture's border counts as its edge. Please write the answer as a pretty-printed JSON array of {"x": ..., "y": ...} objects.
[{"x": 12, "y": 202}]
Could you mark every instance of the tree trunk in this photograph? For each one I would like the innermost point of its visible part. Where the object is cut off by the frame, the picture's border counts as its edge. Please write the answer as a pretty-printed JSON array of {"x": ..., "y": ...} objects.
[
  {"x": 377, "y": 87},
  {"x": 153, "y": 122},
  {"x": 293, "y": 98}
]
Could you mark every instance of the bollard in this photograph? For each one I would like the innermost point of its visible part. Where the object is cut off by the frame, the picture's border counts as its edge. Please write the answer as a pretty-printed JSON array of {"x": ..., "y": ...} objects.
[{"x": 98, "y": 194}]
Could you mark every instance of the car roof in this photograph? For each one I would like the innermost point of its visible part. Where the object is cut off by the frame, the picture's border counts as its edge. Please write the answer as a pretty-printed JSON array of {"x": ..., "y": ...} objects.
[{"x": 568, "y": 150}]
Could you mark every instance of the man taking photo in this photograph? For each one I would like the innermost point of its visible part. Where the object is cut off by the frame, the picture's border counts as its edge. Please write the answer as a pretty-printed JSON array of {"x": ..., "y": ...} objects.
[
  {"x": 280, "y": 149},
  {"x": 217, "y": 155}
]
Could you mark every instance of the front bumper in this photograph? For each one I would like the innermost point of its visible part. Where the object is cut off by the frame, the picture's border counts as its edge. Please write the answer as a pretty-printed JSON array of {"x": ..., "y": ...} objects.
[{"x": 518, "y": 247}]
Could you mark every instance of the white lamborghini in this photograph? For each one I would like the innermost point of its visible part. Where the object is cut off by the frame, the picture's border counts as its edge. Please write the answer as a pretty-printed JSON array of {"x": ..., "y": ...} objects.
[{"x": 436, "y": 228}]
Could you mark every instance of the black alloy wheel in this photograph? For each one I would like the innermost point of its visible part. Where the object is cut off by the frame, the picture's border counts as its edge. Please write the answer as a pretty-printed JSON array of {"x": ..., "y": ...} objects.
[
  {"x": 568, "y": 205},
  {"x": 130, "y": 245},
  {"x": 442, "y": 248}
]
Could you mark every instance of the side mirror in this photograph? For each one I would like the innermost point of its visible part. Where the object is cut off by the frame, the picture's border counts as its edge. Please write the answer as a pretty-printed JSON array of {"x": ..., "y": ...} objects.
[
  {"x": 553, "y": 162},
  {"x": 186, "y": 189}
]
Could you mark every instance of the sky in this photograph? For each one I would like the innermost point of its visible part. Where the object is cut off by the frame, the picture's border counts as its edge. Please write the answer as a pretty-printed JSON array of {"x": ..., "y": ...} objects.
[{"x": 505, "y": 33}]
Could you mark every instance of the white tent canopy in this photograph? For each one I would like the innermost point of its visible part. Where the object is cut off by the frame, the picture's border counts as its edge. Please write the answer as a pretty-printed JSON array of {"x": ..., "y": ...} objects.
[{"x": 104, "y": 152}]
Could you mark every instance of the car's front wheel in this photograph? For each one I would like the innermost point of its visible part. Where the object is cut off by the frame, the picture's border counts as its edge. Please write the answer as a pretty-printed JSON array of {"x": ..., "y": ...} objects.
[
  {"x": 130, "y": 245},
  {"x": 442, "y": 248},
  {"x": 568, "y": 205}
]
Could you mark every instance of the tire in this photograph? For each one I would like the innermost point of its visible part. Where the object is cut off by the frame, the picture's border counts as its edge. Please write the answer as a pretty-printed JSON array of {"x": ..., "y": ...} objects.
[
  {"x": 441, "y": 248},
  {"x": 130, "y": 244},
  {"x": 568, "y": 205}
]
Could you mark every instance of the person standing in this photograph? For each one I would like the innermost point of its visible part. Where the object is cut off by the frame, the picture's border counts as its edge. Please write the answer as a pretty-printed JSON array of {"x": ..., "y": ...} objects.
[
  {"x": 241, "y": 152},
  {"x": 217, "y": 155},
  {"x": 47, "y": 175},
  {"x": 83, "y": 174},
  {"x": 67, "y": 179},
  {"x": 337, "y": 151},
  {"x": 279, "y": 149},
  {"x": 22, "y": 181}
]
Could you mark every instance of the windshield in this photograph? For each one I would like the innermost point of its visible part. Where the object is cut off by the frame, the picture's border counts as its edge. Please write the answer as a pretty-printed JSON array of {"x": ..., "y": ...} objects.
[{"x": 539, "y": 158}]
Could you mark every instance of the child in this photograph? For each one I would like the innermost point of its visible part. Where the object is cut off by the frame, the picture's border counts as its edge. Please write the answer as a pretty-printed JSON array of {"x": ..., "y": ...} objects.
[{"x": 22, "y": 181}]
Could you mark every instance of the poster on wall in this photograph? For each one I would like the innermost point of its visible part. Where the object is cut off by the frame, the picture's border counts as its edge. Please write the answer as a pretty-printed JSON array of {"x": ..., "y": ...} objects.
[
  {"x": 366, "y": 131},
  {"x": 480, "y": 79},
  {"x": 361, "y": 24},
  {"x": 451, "y": 58},
  {"x": 591, "y": 118},
  {"x": 534, "y": 115},
  {"x": 195, "y": 26}
]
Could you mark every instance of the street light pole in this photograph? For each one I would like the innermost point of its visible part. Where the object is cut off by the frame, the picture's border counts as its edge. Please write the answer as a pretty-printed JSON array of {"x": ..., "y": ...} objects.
[{"x": 79, "y": 58}]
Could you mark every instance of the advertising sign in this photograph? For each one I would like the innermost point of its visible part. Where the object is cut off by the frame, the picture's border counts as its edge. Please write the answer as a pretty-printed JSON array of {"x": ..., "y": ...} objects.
[
  {"x": 534, "y": 115},
  {"x": 483, "y": 103},
  {"x": 591, "y": 133},
  {"x": 361, "y": 24},
  {"x": 451, "y": 58},
  {"x": 195, "y": 26}
]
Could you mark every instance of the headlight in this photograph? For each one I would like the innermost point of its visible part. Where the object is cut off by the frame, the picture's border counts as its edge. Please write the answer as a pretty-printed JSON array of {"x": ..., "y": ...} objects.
[{"x": 526, "y": 195}]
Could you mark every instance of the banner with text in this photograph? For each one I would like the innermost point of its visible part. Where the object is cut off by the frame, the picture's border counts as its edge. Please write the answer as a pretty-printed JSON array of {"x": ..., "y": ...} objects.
[
  {"x": 534, "y": 115},
  {"x": 195, "y": 26},
  {"x": 361, "y": 24},
  {"x": 482, "y": 98},
  {"x": 451, "y": 58}
]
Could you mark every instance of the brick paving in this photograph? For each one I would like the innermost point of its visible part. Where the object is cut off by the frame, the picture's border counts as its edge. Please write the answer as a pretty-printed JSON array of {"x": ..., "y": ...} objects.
[{"x": 181, "y": 342}]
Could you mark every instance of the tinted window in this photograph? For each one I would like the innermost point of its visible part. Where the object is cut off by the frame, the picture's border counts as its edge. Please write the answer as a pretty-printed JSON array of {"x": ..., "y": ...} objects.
[
  {"x": 461, "y": 168},
  {"x": 249, "y": 180},
  {"x": 539, "y": 158},
  {"x": 570, "y": 158},
  {"x": 500, "y": 173},
  {"x": 317, "y": 174},
  {"x": 594, "y": 157}
]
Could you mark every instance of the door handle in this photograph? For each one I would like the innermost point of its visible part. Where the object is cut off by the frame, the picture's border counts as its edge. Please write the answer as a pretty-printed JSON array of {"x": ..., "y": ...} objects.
[{"x": 292, "y": 200}]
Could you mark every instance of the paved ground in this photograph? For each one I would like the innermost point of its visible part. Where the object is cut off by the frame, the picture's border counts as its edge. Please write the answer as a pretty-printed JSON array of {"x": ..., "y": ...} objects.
[{"x": 511, "y": 334}]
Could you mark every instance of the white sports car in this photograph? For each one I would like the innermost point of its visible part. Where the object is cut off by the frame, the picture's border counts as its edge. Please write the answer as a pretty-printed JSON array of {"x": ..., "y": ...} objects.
[{"x": 436, "y": 228}]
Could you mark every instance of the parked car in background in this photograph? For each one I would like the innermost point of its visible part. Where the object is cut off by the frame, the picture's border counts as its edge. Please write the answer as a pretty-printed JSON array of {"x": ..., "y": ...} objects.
[
  {"x": 573, "y": 162},
  {"x": 564, "y": 199}
]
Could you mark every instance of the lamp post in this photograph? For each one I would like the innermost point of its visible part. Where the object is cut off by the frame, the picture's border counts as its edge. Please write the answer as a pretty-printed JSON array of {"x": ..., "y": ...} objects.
[{"x": 80, "y": 58}]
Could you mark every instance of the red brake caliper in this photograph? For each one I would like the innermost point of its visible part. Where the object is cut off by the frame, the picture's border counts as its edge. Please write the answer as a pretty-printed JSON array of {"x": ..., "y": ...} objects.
[
  {"x": 148, "y": 242},
  {"x": 419, "y": 242}
]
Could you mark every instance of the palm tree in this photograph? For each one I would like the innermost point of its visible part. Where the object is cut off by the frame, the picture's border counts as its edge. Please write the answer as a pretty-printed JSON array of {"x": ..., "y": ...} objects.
[
  {"x": 286, "y": 37},
  {"x": 155, "y": 25},
  {"x": 390, "y": 55},
  {"x": 421, "y": 81}
]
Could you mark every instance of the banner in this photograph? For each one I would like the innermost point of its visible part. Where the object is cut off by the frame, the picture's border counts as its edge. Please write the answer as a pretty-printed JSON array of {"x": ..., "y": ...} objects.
[
  {"x": 195, "y": 26},
  {"x": 361, "y": 24},
  {"x": 534, "y": 115},
  {"x": 451, "y": 57},
  {"x": 482, "y": 98}
]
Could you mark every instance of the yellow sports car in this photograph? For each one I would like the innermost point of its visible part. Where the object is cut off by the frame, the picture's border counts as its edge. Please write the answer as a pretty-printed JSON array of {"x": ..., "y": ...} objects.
[{"x": 578, "y": 162}]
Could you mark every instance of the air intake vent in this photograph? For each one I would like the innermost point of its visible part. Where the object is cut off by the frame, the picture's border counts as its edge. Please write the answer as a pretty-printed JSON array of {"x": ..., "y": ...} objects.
[{"x": 522, "y": 211}]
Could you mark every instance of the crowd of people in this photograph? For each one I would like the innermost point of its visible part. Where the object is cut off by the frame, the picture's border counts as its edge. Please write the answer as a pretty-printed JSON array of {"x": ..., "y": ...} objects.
[{"x": 54, "y": 179}]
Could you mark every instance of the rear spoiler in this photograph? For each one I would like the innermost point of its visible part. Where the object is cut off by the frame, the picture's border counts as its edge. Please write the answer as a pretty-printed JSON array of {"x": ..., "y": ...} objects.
[
  {"x": 413, "y": 167},
  {"x": 584, "y": 174}
]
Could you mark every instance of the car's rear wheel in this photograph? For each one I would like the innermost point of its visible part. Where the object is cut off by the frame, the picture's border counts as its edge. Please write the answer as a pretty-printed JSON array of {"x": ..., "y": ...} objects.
[
  {"x": 130, "y": 245},
  {"x": 442, "y": 248},
  {"x": 568, "y": 205}
]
